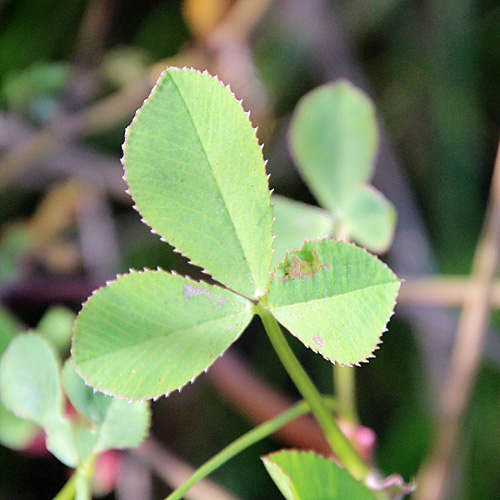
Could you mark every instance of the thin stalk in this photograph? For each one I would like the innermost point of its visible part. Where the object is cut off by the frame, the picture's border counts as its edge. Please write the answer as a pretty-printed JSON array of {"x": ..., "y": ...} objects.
[
  {"x": 83, "y": 475},
  {"x": 339, "y": 444},
  {"x": 344, "y": 385},
  {"x": 344, "y": 377},
  {"x": 68, "y": 491},
  {"x": 242, "y": 443}
]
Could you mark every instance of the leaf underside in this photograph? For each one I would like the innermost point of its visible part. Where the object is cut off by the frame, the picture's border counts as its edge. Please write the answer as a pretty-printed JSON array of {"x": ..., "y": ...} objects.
[
  {"x": 149, "y": 333},
  {"x": 308, "y": 476},
  {"x": 335, "y": 297},
  {"x": 197, "y": 175},
  {"x": 333, "y": 138}
]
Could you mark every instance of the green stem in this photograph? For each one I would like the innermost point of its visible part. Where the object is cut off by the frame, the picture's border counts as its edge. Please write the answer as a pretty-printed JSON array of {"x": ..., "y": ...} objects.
[
  {"x": 69, "y": 489},
  {"x": 79, "y": 483},
  {"x": 344, "y": 377},
  {"x": 242, "y": 443},
  {"x": 339, "y": 444},
  {"x": 344, "y": 384}
]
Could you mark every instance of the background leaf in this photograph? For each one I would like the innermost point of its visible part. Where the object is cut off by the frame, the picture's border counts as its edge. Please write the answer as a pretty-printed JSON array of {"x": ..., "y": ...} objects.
[
  {"x": 89, "y": 403},
  {"x": 370, "y": 219},
  {"x": 308, "y": 476},
  {"x": 197, "y": 175},
  {"x": 30, "y": 384},
  {"x": 333, "y": 138},
  {"x": 57, "y": 325},
  {"x": 125, "y": 425},
  {"x": 60, "y": 441},
  {"x": 121, "y": 423},
  {"x": 296, "y": 222},
  {"x": 149, "y": 333},
  {"x": 335, "y": 297},
  {"x": 15, "y": 432}
]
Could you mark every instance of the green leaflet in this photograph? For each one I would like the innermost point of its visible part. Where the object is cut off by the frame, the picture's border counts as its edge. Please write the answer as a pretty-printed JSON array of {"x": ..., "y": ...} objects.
[
  {"x": 149, "y": 333},
  {"x": 30, "y": 384},
  {"x": 15, "y": 432},
  {"x": 61, "y": 443},
  {"x": 125, "y": 425},
  {"x": 296, "y": 222},
  {"x": 335, "y": 297},
  {"x": 197, "y": 175},
  {"x": 308, "y": 476},
  {"x": 333, "y": 138},
  {"x": 370, "y": 218}
]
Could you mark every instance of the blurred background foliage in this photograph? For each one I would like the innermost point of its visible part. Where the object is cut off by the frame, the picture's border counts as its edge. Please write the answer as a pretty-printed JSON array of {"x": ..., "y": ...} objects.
[{"x": 72, "y": 73}]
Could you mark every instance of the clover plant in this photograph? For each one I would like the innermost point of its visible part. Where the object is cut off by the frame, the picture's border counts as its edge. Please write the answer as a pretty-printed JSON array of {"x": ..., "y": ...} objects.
[{"x": 197, "y": 175}]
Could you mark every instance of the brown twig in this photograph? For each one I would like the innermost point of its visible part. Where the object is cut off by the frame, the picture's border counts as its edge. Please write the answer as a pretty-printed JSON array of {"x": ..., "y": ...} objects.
[
  {"x": 466, "y": 355},
  {"x": 242, "y": 19},
  {"x": 96, "y": 117},
  {"x": 175, "y": 472},
  {"x": 134, "y": 480},
  {"x": 442, "y": 291},
  {"x": 94, "y": 28},
  {"x": 70, "y": 159}
]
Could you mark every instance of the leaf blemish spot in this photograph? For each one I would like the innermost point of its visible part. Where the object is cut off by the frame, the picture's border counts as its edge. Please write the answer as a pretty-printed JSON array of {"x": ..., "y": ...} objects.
[
  {"x": 318, "y": 341},
  {"x": 303, "y": 264},
  {"x": 191, "y": 291}
]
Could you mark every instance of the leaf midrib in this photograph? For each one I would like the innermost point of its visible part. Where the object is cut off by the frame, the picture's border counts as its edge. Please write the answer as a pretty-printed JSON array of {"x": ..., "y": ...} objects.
[
  {"x": 226, "y": 205},
  {"x": 154, "y": 339},
  {"x": 338, "y": 295}
]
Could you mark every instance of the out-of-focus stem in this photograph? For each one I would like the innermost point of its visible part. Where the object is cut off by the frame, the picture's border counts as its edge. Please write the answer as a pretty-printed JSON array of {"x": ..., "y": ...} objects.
[{"x": 466, "y": 355}]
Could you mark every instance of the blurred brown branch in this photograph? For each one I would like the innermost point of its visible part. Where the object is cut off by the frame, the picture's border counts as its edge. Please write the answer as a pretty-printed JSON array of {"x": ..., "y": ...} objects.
[
  {"x": 466, "y": 355},
  {"x": 443, "y": 291}
]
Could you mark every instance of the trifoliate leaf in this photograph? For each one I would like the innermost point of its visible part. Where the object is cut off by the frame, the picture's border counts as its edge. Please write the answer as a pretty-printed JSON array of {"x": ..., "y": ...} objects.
[
  {"x": 149, "y": 333},
  {"x": 335, "y": 297},
  {"x": 197, "y": 175}
]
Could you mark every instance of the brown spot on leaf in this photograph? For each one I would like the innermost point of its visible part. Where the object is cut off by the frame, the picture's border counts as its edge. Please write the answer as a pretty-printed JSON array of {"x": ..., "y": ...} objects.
[{"x": 303, "y": 264}]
